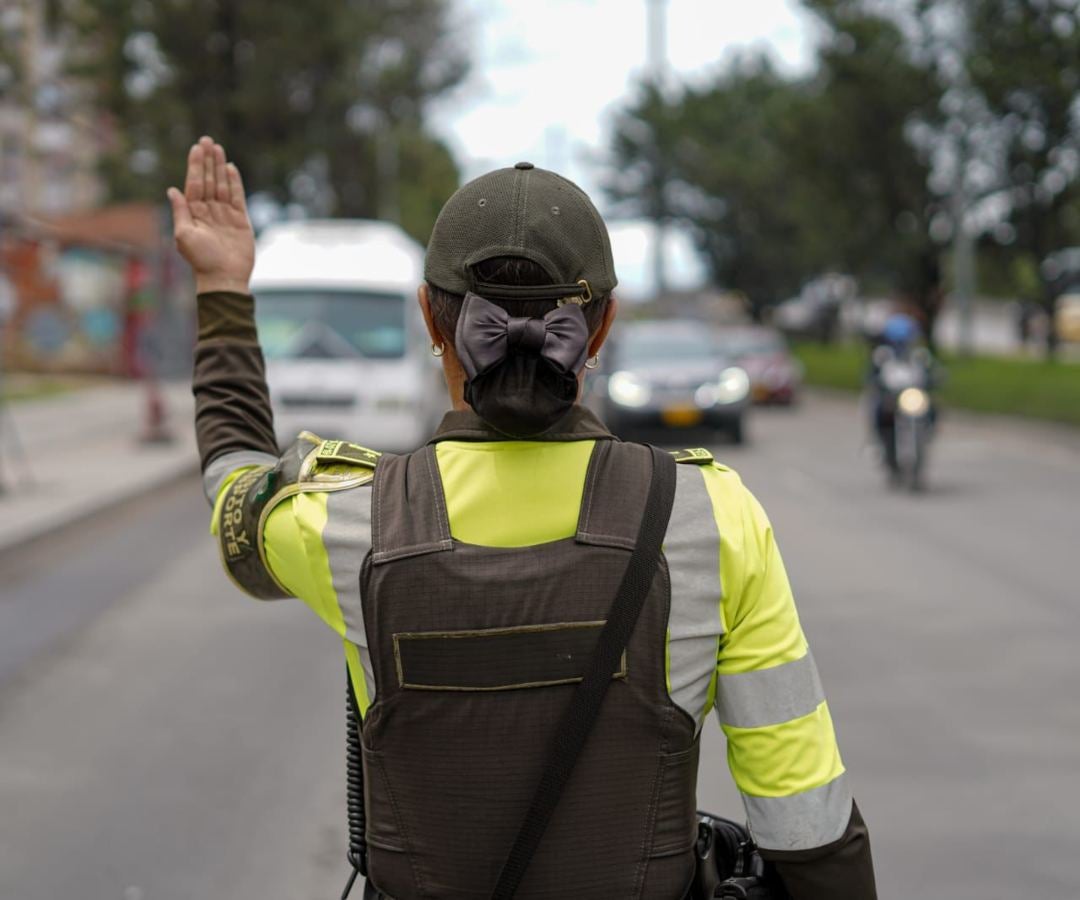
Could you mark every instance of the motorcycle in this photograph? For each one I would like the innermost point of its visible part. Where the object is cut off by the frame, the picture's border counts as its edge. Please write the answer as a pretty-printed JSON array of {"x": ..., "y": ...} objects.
[{"x": 905, "y": 413}]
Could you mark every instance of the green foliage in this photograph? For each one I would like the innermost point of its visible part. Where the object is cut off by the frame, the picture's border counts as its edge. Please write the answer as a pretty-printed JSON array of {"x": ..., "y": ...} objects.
[
  {"x": 321, "y": 102},
  {"x": 1025, "y": 62},
  {"x": 785, "y": 178},
  {"x": 1033, "y": 388},
  {"x": 1017, "y": 387},
  {"x": 12, "y": 69},
  {"x": 839, "y": 366},
  {"x": 428, "y": 175},
  {"x": 868, "y": 93},
  {"x": 917, "y": 115},
  {"x": 690, "y": 161}
]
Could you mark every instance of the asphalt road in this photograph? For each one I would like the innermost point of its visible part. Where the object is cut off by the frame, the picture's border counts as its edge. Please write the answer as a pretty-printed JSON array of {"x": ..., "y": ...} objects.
[{"x": 164, "y": 738}]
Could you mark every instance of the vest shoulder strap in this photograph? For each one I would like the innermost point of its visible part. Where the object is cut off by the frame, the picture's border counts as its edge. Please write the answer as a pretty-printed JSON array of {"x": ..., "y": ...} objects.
[
  {"x": 616, "y": 485},
  {"x": 409, "y": 515}
]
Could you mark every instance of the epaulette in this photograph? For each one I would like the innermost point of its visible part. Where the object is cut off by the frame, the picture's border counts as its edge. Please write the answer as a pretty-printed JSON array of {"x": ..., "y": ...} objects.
[
  {"x": 309, "y": 464},
  {"x": 698, "y": 456},
  {"x": 335, "y": 465}
]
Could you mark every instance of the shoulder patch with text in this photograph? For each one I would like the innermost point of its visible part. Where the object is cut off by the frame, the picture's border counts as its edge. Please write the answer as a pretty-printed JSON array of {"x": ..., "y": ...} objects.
[
  {"x": 697, "y": 455},
  {"x": 340, "y": 463}
]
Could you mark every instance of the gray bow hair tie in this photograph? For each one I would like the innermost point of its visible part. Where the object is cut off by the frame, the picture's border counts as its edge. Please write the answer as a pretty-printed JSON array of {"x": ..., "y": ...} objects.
[{"x": 487, "y": 335}]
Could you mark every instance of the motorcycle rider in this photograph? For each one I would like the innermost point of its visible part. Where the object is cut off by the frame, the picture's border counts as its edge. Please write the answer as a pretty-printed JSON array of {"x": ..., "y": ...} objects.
[{"x": 900, "y": 343}]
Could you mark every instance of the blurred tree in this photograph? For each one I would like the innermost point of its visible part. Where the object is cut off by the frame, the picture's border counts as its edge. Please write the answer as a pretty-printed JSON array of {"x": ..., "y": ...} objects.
[
  {"x": 646, "y": 140},
  {"x": 321, "y": 103},
  {"x": 16, "y": 18},
  {"x": 1024, "y": 59},
  {"x": 876, "y": 97},
  {"x": 11, "y": 68},
  {"x": 716, "y": 158},
  {"x": 785, "y": 178}
]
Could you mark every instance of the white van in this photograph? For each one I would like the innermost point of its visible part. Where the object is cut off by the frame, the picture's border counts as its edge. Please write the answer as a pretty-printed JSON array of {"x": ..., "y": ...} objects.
[{"x": 347, "y": 354}]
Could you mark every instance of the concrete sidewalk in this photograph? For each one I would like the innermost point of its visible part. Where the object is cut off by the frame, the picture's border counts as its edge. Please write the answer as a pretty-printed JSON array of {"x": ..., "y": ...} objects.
[{"x": 66, "y": 457}]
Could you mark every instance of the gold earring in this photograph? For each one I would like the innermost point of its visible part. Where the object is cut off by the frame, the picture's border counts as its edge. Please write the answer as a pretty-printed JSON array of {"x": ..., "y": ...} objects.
[
  {"x": 438, "y": 349},
  {"x": 593, "y": 363}
]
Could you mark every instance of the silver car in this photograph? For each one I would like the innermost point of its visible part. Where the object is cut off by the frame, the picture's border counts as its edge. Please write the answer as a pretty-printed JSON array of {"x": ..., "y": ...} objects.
[{"x": 672, "y": 375}]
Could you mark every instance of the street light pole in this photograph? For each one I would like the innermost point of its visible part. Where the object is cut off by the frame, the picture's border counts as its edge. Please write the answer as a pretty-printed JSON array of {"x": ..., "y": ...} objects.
[
  {"x": 963, "y": 253},
  {"x": 656, "y": 54}
]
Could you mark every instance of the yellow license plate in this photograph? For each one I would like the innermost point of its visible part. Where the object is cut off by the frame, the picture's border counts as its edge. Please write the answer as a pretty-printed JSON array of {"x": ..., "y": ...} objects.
[{"x": 682, "y": 416}]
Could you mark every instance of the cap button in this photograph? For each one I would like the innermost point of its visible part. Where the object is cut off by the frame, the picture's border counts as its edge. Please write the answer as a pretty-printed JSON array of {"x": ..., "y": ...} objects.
[{"x": 524, "y": 165}]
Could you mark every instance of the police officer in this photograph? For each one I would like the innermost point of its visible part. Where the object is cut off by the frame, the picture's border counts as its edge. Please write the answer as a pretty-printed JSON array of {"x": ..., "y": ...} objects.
[{"x": 467, "y": 579}]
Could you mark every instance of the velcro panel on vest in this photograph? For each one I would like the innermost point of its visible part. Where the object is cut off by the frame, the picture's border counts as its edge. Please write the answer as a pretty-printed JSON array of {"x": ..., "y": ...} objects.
[
  {"x": 616, "y": 485},
  {"x": 497, "y": 659}
]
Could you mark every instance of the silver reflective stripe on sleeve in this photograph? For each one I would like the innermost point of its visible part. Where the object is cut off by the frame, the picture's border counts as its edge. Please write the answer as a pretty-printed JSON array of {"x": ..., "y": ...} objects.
[
  {"x": 770, "y": 696},
  {"x": 692, "y": 551},
  {"x": 347, "y": 539},
  {"x": 803, "y": 821},
  {"x": 222, "y": 466}
]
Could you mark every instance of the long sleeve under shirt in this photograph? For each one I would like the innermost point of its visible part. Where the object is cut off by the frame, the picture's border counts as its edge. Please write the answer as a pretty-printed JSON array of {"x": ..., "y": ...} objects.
[{"x": 741, "y": 653}]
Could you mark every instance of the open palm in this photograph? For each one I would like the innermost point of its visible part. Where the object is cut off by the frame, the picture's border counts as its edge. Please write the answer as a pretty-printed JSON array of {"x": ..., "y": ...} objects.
[{"x": 210, "y": 221}]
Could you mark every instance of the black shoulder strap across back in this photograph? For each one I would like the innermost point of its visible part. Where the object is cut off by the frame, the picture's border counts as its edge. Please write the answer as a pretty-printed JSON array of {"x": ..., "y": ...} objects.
[{"x": 580, "y": 716}]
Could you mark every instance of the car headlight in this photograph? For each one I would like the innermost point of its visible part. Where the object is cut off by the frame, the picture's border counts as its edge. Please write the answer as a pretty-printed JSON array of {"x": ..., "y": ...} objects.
[
  {"x": 628, "y": 389},
  {"x": 913, "y": 402},
  {"x": 733, "y": 386}
]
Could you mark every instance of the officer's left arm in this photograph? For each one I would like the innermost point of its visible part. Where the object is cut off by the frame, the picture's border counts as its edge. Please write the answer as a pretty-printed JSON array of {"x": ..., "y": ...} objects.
[{"x": 782, "y": 748}]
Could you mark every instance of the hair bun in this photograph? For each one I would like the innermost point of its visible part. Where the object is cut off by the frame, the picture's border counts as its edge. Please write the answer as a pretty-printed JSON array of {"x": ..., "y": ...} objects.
[{"x": 523, "y": 396}]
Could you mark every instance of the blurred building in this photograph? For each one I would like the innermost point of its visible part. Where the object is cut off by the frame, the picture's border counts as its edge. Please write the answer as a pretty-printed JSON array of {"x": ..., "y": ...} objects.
[
  {"x": 89, "y": 287},
  {"x": 51, "y": 135}
]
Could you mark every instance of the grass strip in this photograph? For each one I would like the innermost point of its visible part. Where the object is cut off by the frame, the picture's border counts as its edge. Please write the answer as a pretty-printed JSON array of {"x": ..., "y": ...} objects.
[{"x": 1017, "y": 386}]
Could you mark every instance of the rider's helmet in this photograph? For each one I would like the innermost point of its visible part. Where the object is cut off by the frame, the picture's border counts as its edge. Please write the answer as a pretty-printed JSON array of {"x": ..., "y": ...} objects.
[{"x": 900, "y": 331}]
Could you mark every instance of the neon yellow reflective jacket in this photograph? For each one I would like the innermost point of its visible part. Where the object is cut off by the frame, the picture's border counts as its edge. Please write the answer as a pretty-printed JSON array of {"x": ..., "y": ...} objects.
[{"x": 734, "y": 641}]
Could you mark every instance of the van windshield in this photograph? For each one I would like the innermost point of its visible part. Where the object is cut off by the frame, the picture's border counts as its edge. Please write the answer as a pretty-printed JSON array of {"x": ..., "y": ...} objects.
[{"x": 329, "y": 324}]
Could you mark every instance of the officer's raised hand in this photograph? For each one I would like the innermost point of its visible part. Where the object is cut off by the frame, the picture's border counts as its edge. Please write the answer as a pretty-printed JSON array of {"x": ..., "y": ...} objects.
[{"x": 210, "y": 221}]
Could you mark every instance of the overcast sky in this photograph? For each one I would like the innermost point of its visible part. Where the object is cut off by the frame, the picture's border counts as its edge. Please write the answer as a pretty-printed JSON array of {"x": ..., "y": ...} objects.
[{"x": 547, "y": 78}]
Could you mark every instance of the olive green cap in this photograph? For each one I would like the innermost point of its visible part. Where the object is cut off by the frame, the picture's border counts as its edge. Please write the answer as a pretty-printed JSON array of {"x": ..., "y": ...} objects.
[{"x": 528, "y": 212}]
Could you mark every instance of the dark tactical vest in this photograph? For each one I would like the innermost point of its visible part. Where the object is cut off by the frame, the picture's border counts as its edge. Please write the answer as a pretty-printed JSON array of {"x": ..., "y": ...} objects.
[{"x": 476, "y": 651}]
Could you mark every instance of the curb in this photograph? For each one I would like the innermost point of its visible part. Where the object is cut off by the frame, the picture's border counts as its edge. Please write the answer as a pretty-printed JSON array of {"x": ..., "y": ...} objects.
[{"x": 111, "y": 502}]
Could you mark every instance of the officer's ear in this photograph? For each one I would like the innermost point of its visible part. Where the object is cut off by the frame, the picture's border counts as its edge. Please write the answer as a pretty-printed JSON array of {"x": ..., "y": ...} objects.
[
  {"x": 598, "y": 338},
  {"x": 425, "y": 308}
]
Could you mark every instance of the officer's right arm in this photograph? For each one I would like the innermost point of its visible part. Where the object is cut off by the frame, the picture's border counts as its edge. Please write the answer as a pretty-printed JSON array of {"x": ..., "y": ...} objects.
[{"x": 782, "y": 749}]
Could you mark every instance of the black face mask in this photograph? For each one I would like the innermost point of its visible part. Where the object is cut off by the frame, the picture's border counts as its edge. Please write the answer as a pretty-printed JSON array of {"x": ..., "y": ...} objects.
[{"x": 521, "y": 372}]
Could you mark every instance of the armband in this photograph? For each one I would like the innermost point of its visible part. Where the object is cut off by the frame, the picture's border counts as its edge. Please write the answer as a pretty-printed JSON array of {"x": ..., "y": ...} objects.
[{"x": 310, "y": 464}]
